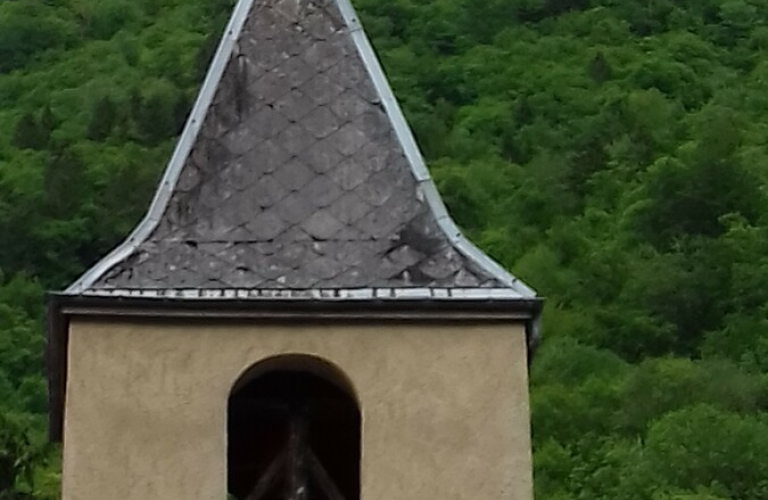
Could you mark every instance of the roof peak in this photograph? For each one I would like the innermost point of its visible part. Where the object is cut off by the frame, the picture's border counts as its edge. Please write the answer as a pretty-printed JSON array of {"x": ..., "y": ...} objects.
[{"x": 296, "y": 171}]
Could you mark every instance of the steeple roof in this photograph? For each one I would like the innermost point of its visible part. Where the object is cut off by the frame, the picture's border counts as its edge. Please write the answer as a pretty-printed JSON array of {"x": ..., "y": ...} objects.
[{"x": 297, "y": 177}]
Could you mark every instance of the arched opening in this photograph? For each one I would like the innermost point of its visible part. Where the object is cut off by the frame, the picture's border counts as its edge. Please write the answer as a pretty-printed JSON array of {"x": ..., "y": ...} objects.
[{"x": 293, "y": 432}]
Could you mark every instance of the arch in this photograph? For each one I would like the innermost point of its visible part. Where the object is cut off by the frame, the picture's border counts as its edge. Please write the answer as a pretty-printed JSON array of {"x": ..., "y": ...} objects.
[
  {"x": 293, "y": 432},
  {"x": 298, "y": 362}
]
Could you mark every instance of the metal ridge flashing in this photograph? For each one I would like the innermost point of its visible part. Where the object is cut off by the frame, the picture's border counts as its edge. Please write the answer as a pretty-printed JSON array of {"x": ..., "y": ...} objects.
[
  {"x": 407, "y": 141},
  {"x": 314, "y": 294},
  {"x": 183, "y": 147}
]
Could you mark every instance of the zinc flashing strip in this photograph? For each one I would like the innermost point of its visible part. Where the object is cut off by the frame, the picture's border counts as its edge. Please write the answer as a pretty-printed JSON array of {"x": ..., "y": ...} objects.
[
  {"x": 416, "y": 160},
  {"x": 181, "y": 153},
  {"x": 322, "y": 295}
]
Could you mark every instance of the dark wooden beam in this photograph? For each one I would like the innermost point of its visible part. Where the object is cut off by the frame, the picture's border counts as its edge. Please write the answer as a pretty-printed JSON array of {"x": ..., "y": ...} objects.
[
  {"x": 323, "y": 478},
  {"x": 268, "y": 478}
]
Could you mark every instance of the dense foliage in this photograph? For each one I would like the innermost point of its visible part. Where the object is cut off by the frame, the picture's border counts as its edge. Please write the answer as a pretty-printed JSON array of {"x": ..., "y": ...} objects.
[{"x": 611, "y": 152}]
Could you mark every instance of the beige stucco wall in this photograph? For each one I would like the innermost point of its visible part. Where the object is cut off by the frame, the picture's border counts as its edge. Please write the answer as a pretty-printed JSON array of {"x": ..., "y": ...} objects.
[{"x": 445, "y": 407}]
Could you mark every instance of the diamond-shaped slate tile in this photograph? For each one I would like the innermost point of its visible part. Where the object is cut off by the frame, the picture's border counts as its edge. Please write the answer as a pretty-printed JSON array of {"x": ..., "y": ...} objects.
[
  {"x": 321, "y": 191},
  {"x": 266, "y": 225},
  {"x": 296, "y": 139},
  {"x": 271, "y": 86},
  {"x": 322, "y": 156},
  {"x": 294, "y": 105},
  {"x": 321, "y": 122},
  {"x": 322, "y": 225},
  {"x": 294, "y": 174},
  {"x": 322, "y": 89},
  {"x": 295, "y": 208},
  {"x": 349, "y": 208}
]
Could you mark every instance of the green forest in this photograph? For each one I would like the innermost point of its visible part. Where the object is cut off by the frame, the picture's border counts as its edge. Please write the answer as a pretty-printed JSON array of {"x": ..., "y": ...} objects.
[{"x": 611, "y": 153}]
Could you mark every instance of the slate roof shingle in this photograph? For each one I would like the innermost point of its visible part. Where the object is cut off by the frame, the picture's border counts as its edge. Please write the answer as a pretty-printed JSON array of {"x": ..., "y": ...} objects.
[{"x": 297, "y": 178}]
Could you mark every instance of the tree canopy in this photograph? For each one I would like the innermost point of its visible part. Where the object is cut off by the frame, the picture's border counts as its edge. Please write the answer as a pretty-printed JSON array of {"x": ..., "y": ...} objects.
[{"x": 611, "y": 153}]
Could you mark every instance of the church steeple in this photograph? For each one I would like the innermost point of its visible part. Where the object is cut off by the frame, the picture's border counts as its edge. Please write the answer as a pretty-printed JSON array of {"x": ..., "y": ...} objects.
[
  {"x": 297, "y": 316},
  {"x": 297, "y": 176}
]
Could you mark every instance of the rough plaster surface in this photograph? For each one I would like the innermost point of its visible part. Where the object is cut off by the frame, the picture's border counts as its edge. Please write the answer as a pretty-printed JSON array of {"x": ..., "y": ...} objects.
[{"x": 445, "y": 407}]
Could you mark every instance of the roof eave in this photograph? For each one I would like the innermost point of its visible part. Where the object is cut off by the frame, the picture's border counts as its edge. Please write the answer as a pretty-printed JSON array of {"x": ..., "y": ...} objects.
[
  {"x": 63, "y": 306},
  {"x": 306, "y": 307}
]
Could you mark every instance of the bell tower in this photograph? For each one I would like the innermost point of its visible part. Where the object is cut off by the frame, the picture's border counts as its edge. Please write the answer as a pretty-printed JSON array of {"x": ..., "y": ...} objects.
[{"x": 297, "y": 316}]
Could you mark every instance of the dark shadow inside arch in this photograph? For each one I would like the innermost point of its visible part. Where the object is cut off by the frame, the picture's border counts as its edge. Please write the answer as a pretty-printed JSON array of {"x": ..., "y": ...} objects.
[{"x": 293, "y": 432}]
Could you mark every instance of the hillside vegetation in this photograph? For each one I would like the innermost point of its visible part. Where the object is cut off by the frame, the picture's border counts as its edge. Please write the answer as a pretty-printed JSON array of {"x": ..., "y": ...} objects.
[{"x": 612, "y": 153}]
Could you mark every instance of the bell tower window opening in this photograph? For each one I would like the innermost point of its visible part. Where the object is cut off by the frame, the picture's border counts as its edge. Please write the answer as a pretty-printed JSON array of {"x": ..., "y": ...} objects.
[{"x": 293, "y": 432}]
